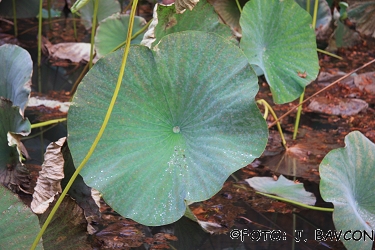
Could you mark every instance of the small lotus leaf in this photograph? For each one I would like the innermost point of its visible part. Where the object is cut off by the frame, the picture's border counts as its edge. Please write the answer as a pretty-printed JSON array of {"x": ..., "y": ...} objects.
[
  {"x": 347, "y": 180},
  {"x": 282, "y": 187},
  {"x": 277, "y": 36},
  {"x": 203, "y": 17},
  {"x": 184, "y": 120},
  {"x": 105, "y": 9},
  {"x": 112, "y": 31}
]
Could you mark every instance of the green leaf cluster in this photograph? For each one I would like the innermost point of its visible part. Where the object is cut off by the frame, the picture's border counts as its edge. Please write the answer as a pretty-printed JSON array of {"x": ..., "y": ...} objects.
[{"x": 186, "y": 117}]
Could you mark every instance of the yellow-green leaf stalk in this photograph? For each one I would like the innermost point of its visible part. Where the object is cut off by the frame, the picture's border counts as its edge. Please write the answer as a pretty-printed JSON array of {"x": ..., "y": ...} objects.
[
  {"x": 268, "y": 107},
  {"x": 93, "y": 29},
  {"x": 298, "y": 116},
  {"x": 100, "y": 133},
  {"x": 14, "y": 18}
]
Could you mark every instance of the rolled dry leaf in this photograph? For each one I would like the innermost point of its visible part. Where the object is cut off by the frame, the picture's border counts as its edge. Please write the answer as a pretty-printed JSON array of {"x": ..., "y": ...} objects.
[{"x": 48, "y": 184}]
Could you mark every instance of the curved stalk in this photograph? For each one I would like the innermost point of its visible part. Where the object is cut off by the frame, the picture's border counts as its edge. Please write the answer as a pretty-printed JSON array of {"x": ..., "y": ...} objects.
[
  {"x": 100, "y": 133},
  {"x": 268, "y": 107},
  {"x": 324, "y": 209}
]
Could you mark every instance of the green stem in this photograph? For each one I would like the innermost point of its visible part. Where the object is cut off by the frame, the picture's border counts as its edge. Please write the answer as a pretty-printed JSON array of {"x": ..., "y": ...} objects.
[
  {"x": 100, "y": 133},
  {"x": 298, "y": 116},
  {"x": 324, "y": 209},
  {"x": 308, "y": 6},
  {"x": 75, "y": 27},
  {"x": 264, "y": 103},
  {"x": 49, "y": 13},
  {"x": 40, "y": 34},
  {"x": 93, "y": 29},
  {"x": 128, "y": 6},
  {"x": 46, "y": 123},
  {"x": 38, "y": 133},
  {"x": 15, "y": 18},
  {"x": 134, "y": 36},
  {"x": 239, "y": 6},
  {"x": 330, "y": 54},
  {"x": 76, "y": 83},
  {"x": 322, "y": 90},
  {"x": 315, "y": 13},
  {"x": 296, "y": 124}
]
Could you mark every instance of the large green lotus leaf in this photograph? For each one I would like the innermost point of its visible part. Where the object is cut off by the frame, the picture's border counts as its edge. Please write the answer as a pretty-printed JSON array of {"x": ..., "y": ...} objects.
[
  {"x": 347, "y": 180},
  {"x": 203, "y": 18},
  {"x": 24, "y": 8},
  {"x": 18, "y": 225},
  {"x": 282, "y": 187},
  {"x": 106, "y": 8},
  {"x": 15, "y": 74},
  {"x": 277, "y": 36},
  {"x": 10, "y": 121},
  {"x": 112, "y": 32},
  {"x": 184, "y": 120}
]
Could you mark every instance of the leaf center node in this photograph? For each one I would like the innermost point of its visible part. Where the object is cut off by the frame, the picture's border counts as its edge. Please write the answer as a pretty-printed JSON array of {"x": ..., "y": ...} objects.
[{"x": 176, "y": 129}]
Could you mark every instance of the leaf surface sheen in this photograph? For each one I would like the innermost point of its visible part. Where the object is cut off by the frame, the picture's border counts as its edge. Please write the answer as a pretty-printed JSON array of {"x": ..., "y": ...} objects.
[
  {"x": 184, "y": 120},
  {"x": 277, "y": 36},
  {"x": 347, "y": 180}
]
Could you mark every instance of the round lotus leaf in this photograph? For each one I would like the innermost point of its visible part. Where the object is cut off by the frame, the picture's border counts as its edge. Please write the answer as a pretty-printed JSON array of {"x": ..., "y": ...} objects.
[
  {"x": 202, "y": 17},
  {"x": 184, "y": 120},
  {"x": 113, "y": 30},
  {"x": 347, "y": 180},
  {"x": 278, "y": 37},
  {"x": 105, "y": 9}
]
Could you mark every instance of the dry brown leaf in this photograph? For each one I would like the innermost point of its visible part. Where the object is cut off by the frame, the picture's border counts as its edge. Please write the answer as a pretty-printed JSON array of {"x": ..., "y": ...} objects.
[
  {"x": 48, "y": 184},
  {"x": 75, "y": 52},
  {"x": 182, "y": 5}
]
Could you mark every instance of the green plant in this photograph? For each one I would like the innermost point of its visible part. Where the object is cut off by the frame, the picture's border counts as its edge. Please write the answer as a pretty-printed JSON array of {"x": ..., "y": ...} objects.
[
  {"x": 173, "y": 120},
  {"x": 172, "y": 125}
]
